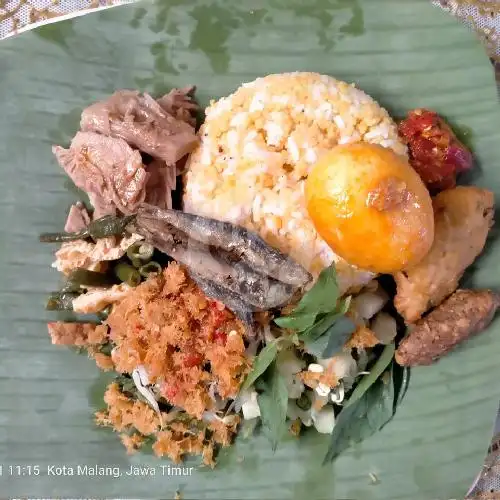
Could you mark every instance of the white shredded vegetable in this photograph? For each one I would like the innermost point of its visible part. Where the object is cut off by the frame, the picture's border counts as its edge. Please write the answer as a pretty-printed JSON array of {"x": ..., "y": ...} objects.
[
  {"x": 250, "y": 406},
  {"x": 140, "y": 378},
  {"x": 324, "y": 419}
]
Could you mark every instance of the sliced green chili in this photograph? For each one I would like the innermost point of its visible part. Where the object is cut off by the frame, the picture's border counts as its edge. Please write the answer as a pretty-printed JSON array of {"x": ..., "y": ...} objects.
[
  {"x": 127, "y": 273},
  {"x": 150, "y": 267}
]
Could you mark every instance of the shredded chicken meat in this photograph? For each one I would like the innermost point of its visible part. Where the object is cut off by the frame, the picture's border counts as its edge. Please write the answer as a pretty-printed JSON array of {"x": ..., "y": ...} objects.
[
  {"x": 180, "y": 103},
  {"x": 162, "y": 129},
  {"x": 78, "y": 218},
  {"x": 107, "y": 169},
  {"x": 161, "y": 182}
]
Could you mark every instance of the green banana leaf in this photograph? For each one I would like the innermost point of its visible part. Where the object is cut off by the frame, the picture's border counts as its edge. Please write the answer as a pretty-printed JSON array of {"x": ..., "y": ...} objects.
[{"x": 403, "y": 52}]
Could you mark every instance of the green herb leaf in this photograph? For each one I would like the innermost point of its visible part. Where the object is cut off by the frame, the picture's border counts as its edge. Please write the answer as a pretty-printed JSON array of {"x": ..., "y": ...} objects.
[
  {"x": 376, "y": 370},
  {"x": 322, "y": 324},
  {"x": 337, "y": 336},
  {"x": 325, "y": 322},
  {"x": 323, "y": 296},
  {"x": 401, "y": 379},
  {"x": 330, "y": 332},
  {"x": 314, "y": 311},
  {"x": 372, "y": 404},
  {"x": 297, "y": 322},
  {"x": 273, "y": 403},
  {"x": 80, "y": 276},
  {"x": 260, "y": 364},
  {"x": 362, "y": 418},
  {"x": 317, "y": 346},
  {"x": 332, "y": 341}
]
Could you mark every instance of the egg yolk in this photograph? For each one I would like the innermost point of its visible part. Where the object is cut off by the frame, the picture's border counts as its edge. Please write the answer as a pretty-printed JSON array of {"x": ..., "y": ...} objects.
[{"x": 371, "y": 207}]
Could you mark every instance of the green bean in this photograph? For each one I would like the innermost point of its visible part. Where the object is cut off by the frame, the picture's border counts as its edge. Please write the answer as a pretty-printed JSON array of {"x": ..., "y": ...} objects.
[
  {"x": 149, "y": 268},
  {"x": 84, "y": 277},
  {"x": 140, "y": 252},
  {"x": 62, "y": 237},
  {"x": 61, "y": 301},
  {"x": 70, "y": 286},
  {"x": 109, "y": 225},
  {"x": 137, "y": 263},
  {"x": 127, "y": 273}
]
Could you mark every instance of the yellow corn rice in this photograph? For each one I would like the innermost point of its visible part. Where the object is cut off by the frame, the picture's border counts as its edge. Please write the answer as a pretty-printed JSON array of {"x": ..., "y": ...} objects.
[{"x": 257, "y": 147}]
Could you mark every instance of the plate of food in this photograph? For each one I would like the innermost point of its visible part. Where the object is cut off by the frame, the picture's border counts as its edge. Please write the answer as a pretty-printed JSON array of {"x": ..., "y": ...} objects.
[{"x": 261, "y": 238}]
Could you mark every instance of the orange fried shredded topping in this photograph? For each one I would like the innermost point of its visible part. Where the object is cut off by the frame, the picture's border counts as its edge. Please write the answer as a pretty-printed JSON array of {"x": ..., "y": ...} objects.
[
  {"x": 176, "y": 439},
  {"x": 362, "y": 338},
  {"x": 103, "y": 361},
  {"x": 77, "y": 334},
  {"x": 185, "y": 341}
]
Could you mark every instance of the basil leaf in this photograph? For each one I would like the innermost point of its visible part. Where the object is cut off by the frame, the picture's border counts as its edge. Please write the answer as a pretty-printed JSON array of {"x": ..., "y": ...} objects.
[
  {"x": 273, "y": 404},
  {"x": 322, "y": 297},
  {"x": 359, "y": 420},
  {"x": 260, "y": 364},
  {"x": 297, "y": 322},
  {"x": 317, "y": 346},
  {"x": 325, "y": 322},
  {"x": 333, "y": 339},
  {"x": 325, "y": 331},
  {"x": 401, "y": 379},
  {"x": 344, "y": 305},
  {"x": 337, "y": 336},
  {"x": 376, "y": 370}
]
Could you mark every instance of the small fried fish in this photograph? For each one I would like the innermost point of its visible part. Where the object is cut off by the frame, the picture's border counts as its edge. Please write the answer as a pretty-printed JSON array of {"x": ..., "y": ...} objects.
[
  {"x": 232, "y": 300},
  {"x": 260, "y": 291},
  {"x": 241, "y": 243}
]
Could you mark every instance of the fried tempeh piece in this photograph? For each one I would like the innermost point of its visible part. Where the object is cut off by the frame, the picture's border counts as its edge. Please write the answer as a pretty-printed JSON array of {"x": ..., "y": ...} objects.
[
  {"x": 465, "y": 314},
  {"x": 463, "y": 218}
]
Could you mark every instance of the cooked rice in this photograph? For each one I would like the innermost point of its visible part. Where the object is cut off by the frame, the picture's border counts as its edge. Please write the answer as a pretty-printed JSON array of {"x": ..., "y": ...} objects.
[{"x": 257, "y": 148}]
